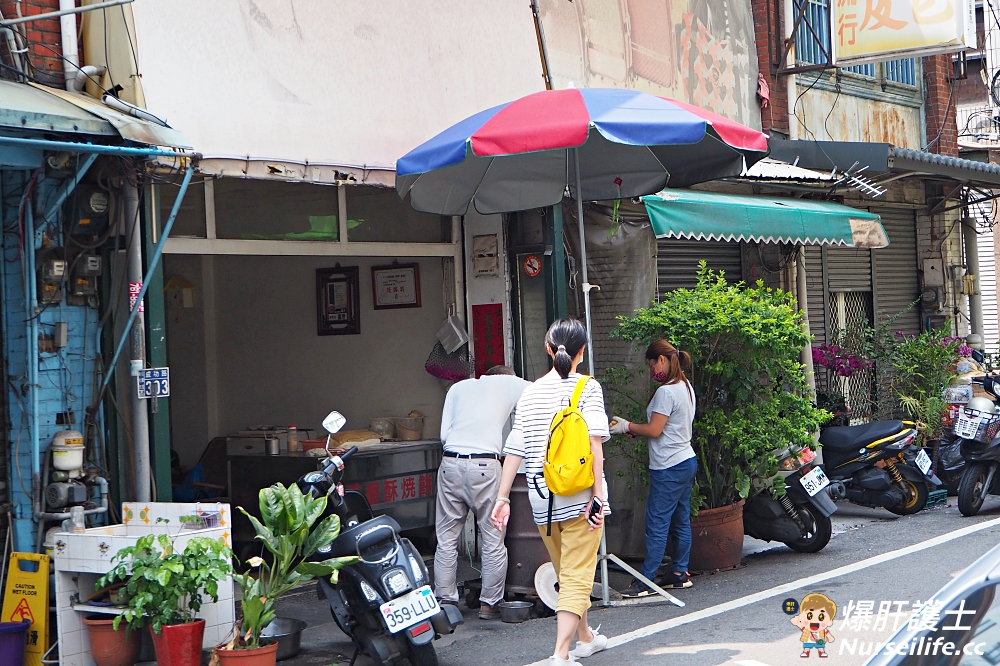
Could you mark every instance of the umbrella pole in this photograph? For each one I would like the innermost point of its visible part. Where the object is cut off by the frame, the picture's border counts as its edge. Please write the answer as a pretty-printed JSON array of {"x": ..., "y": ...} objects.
[
  {"x": 603, "y": 554},
  {"x": 586, "y": 286}
]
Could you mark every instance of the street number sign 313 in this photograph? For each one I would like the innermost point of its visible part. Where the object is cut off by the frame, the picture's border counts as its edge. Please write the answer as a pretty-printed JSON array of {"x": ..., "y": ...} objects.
[{"x": 153, "y": 383}]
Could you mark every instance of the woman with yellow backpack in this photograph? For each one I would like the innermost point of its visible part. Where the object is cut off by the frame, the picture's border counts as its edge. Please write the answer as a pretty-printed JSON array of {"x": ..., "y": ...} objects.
[{"x": 559, "y": 429}]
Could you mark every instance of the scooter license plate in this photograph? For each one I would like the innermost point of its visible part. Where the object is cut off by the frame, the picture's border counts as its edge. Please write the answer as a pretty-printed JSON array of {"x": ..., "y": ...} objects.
[
  {"x": 405, "y": 611},
  {"x": 814, "y": 481},
  {"x": 923, "y": 461}
]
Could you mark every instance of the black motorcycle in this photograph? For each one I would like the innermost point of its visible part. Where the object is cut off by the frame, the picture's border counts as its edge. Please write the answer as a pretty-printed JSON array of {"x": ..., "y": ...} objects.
[
  {"x": 384, "y": 601},
  {"x": 977, "y": 427},
  {"x": 876, "y": 464},
  {"x": 801, "y": 517}
]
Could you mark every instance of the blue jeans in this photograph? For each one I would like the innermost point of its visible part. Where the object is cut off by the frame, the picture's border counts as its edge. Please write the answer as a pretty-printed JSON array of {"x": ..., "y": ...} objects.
[{"x": 668, "y": 511}]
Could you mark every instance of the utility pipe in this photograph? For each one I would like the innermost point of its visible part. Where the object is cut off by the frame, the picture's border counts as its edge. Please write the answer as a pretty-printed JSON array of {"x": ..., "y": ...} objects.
[
  {"x": 61, "y": 12},
  {"x": 137, "y": 334},
  {"x": 149, "y": 271},
  {"x": 788, "y": 18},
  {"x": 70, "y": 48},
  {"x": 971, "y": 239},
  {"x": 76, "y": 147},
  {"x": 803, "y": 302}
]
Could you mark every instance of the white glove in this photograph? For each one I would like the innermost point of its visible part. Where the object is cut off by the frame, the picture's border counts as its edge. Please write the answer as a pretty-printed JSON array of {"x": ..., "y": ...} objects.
[{"x": 619, "y": 426}]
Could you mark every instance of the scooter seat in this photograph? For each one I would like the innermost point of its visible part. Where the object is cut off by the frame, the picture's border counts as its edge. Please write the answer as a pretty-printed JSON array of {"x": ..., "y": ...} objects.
[
  {"x": 346, "y": 544},
  {"x": 846, "y": 438}
]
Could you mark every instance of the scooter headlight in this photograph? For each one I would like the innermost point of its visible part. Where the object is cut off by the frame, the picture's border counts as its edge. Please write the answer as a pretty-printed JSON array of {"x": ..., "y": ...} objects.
[
  {"x": 369, "y": 592},
  {"x": 396, "y": 582},
  {"x": 418, "y": 572}
]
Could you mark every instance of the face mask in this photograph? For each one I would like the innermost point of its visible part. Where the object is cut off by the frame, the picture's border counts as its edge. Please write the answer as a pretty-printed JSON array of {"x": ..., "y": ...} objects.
[{"x": 659, "y": 377}]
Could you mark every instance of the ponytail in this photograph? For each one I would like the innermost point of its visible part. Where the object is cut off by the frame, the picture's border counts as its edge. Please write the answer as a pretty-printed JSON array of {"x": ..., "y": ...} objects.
[
  {"x": 564, "y": 339},
  {"x": 675, "y": 360}
]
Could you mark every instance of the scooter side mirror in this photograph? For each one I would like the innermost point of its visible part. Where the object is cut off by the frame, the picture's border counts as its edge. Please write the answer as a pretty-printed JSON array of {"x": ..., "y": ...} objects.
[
  {"x": 333, "y": 422},
  {"x": 978, "y": 356}
]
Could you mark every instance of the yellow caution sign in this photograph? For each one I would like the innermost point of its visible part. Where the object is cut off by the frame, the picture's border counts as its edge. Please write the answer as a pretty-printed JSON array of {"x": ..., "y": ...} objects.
[{"x": 27, "y": 598}]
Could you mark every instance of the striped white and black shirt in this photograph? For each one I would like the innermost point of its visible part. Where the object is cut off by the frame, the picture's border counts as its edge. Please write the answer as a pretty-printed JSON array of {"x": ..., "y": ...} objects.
[{"x": 529, "y": 436}]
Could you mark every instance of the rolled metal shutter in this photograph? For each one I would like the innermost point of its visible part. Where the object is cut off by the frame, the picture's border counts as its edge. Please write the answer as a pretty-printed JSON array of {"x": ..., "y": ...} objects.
[
  {"x": 897, "y": 282},
  {"x": 814, "y": 293},
  {"x": 677, "y": 261},
  {"x": 849, "y": 269}
]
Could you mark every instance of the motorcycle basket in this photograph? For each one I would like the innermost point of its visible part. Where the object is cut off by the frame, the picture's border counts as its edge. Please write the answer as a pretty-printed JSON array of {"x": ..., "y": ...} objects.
[{"x": 977, "y": 425}]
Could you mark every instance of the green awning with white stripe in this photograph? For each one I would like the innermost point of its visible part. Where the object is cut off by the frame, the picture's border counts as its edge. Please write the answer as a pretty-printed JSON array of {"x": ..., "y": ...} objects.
[{"x": 711, "y": 216}]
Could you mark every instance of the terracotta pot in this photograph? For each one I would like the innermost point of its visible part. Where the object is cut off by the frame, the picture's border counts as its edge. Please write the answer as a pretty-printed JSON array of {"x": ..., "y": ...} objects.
[
  {"x": 262, "y": 656},
  {"x": 179, "y": 644},
  {"x": 109, "y": 647},
  {"x": 717, "y": 538}
]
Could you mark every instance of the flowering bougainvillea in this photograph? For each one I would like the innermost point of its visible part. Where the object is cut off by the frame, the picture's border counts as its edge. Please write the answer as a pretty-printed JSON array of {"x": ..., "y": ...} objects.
[{"x": 839, "y": 361}]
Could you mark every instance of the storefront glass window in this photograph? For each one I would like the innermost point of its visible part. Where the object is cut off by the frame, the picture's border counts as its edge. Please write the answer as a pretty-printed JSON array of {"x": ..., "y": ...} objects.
[
  {"x": 263, "y": 210},
  {"x": 376, "y": 214},
  {"x": 190, "y": 220}
]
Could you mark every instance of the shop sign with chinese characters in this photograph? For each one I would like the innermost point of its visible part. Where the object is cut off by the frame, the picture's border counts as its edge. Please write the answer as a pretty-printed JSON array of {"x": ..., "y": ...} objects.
[
  {"x": 871, "y": 30},
  {"x": 384, "y": 491}
]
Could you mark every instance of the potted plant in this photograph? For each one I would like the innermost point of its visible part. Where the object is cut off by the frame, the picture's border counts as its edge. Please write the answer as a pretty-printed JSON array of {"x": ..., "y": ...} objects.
[
  {"x": 166, "y": 588},
  {"x": 752, "y": 396},
  {"x": 293, "y": 529}
]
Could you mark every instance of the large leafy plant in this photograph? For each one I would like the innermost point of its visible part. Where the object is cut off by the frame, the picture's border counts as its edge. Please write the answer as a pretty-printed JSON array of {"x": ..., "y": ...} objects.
[
  {"x": 291, "y": 534},
  {"x": 752, "y": 394},
  {"x": 167, "y": 586}
]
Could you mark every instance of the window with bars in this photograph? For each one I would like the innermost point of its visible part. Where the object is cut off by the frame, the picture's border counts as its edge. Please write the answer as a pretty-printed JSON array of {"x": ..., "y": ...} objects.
[{"x": 812, "y": 46}]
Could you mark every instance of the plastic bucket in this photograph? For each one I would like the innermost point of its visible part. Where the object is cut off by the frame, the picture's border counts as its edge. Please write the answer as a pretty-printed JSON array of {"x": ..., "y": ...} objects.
[{"x": 12, "y": 639}]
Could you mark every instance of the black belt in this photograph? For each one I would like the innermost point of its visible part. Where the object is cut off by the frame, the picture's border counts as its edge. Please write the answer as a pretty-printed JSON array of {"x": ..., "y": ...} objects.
[{"x": 471, "y": 456}]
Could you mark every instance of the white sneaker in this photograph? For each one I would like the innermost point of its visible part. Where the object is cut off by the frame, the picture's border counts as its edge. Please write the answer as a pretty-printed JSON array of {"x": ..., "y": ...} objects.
[
  {"x": 593, "y": 647},
  {"x": 556, "y": 661}
]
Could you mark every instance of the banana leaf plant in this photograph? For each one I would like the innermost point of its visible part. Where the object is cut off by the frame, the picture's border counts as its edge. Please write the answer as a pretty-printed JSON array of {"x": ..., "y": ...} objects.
[{"x": 293, "y": 529}]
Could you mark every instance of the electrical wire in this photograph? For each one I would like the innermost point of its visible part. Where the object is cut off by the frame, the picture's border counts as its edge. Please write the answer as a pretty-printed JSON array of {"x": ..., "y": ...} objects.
[{"x": 944, "y": 121}]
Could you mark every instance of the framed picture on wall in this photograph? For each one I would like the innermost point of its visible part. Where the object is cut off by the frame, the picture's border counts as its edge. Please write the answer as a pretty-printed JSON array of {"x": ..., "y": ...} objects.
[
  {"x": 396, "y": 286},
  {"x": 338, "y": 301}
]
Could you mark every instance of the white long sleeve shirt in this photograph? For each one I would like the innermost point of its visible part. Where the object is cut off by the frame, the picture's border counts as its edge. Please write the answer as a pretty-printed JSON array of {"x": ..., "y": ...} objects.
[{"x": 476, "y": 411}]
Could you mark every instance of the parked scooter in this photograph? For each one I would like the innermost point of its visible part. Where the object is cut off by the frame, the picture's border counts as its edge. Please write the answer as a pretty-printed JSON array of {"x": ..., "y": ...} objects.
[
  {"x": 876, "y": 464},
  {"x": 801, "y": 517},
  {"x": 978, "y": 427},
  {"x": 383, "y": 602}
]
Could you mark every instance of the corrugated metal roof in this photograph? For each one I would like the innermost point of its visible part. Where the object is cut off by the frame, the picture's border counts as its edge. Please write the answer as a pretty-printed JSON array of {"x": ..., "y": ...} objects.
[
  {"x": 908, "y": 159},
  {"x": 27, "y": 108},
  {"x": 35, "y": 107},
  {"x": 769, "y": 169},
  {"x": 130, "y": 128},
  {"x": 883, "y": 158}
]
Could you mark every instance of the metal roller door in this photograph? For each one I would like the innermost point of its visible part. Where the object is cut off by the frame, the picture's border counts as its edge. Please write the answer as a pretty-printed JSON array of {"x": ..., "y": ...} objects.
[
  {"x": 897, "y": 283},
  {"x": 814, "y": 292},
  {"x": 849, "y": 269},
  {"x": 677, "y": 261}
]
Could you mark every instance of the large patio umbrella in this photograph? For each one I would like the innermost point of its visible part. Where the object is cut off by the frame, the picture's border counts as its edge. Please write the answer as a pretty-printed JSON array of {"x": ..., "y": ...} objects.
[{"x": 526, "y": 153}]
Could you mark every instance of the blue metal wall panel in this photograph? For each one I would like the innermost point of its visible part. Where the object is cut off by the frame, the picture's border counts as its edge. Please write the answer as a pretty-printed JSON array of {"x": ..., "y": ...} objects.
[{"x": 65, "y": 377}]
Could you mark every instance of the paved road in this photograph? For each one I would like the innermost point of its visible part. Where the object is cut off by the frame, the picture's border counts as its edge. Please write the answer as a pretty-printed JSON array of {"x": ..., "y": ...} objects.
[{"x": 732, "y": 617}]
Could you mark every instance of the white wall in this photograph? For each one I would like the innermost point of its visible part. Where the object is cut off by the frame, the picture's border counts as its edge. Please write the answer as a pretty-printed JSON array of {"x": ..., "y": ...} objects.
[{"x": 273, "y": 368}]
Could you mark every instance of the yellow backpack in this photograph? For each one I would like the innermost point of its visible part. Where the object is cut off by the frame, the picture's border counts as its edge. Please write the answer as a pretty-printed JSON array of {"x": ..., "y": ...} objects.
[{"x": 568, "y": 467}]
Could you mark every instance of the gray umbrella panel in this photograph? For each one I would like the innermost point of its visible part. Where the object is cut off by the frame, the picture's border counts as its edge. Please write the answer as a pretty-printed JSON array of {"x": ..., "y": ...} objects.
[{"x": 535, "y": 180}]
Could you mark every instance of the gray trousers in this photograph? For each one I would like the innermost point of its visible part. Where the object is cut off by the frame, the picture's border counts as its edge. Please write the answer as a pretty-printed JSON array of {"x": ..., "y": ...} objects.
[{"x": 465, "y": 485}]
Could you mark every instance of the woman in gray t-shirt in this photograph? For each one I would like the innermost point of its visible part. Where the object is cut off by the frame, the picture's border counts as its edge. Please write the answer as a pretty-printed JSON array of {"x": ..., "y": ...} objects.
[{"x": 672, "y": 466}]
